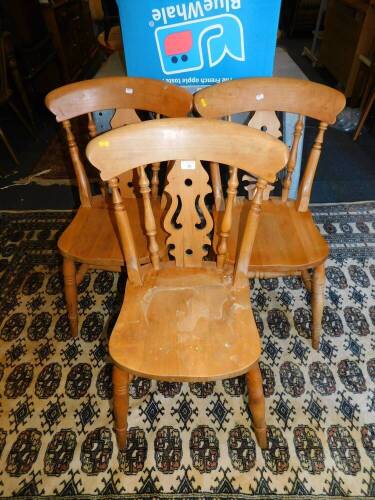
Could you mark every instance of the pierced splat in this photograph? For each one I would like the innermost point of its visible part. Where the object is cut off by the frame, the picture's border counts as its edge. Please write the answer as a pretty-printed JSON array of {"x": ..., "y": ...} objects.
[
  {"x": 187, "y": 219},
  {"x": 129, "y": 180},
  {"x": 124, "y": 117},
  {"x": 267, "y": 121},
  {"x": 251, "y": 185}
]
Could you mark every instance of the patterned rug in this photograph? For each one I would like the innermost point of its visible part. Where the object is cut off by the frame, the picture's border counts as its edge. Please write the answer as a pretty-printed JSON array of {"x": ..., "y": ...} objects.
[{"x": 186, "y": 441}]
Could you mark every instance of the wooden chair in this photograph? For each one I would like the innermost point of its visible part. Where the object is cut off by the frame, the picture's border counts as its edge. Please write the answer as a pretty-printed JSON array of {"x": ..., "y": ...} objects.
[
  {"x": 288, "y": 241},
  {"x": 91, "y": 238},
  {"x": 188, "y": 319}
]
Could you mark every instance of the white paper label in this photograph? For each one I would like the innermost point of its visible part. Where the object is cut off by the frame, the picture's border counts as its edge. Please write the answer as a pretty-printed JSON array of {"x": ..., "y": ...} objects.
[
  {"x": 129, "y": 90},
  {"x": 188, "y": 165}
]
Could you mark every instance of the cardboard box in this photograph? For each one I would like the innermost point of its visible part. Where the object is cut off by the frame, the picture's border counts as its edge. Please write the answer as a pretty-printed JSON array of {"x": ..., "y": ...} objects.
[{"x": 198, "y": 43}]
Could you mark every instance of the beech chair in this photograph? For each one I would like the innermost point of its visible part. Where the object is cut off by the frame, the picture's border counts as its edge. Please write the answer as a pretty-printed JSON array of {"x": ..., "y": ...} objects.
[
  {"x": 186, "y": 319},
  {"x": 91, "y": 238},
  {"x": 288, "y": 241}
]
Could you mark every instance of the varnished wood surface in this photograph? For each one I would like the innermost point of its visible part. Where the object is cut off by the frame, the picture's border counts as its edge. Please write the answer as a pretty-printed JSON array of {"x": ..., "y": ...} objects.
[
  {"x": 257, "y": 404},
  {"x": 317, "y": 299},
  {"x": 266, "y": 96},
  {"x": 304, "y": 191},
  {"x": 92, "y": 236},
  {"x": 70, "y": 289},
  {"x": 120, "y": 404},
  {"x": 118, "y": 92},
  {"x": 226, "y": 222},
  {"x": 287, "y": 240},
  {"x": 269, "y": 94},
  {"x": 185, "y": 324},
  {"x": 189, "y": 319},
  {"x": 123, "y": 149},
  {"x": 187, "y": 243}
]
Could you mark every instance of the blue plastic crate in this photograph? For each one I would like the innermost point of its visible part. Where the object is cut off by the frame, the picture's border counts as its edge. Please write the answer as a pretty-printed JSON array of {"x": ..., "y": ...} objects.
[{"x": 199, "y": 42}]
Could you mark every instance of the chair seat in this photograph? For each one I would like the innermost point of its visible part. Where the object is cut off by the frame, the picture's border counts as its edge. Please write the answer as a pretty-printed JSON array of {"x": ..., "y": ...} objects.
[
  {"x": 286, "y": 240},
  {"x": 185, "y": 324},
  {"x": 92, "y": 236}
]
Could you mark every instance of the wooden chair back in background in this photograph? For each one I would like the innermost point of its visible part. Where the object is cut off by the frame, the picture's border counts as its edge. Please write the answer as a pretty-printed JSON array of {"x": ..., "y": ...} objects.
[
  {"x": 267, "y": 96},
  {"x": 123, "y": 94},
  {"x": 288, "y": 241},
  {"x": 91, "y": 238}
]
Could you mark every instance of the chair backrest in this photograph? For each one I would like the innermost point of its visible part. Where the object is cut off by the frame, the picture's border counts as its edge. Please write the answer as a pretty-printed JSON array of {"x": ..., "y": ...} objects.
[
  {"x": 123, "y": 94},
  {"x": 187, "y": 141},
  {"x": 265, "y": 97}
]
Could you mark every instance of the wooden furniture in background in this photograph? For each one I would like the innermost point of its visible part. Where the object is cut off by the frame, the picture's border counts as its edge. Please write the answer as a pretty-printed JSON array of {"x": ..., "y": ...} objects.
[
  {"x": 91, "y": 238},
  {"x": 298, "y": 16},
  {"x": 313, "y": 52},
  {"x": 288, "y": 242},
  {"x": 96, "y": 10},
  {"x": 6, "y": 94},
  {"x": 349, "y": 32},
  {"x": 113, "y": 42},
  {"x": 110, "y": 15},
  {"x": 187, "y": 319},
  {"x": 368, "y": 98},
  {"x": 34, "y": 53},
  {"x": 70, "y": 25}
]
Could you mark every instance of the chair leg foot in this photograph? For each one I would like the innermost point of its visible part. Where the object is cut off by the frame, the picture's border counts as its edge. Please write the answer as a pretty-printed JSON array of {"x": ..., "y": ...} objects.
[
  {"x": 318, "y": 286},
  {"x": 70, "y": 287},
  {"x": 120, "y": 404},
  {"x": 257, "y": 404},
  {"x": 261, "y": 435}
]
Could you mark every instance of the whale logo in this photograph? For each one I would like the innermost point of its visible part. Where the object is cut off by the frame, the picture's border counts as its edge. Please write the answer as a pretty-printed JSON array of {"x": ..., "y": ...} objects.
[{"x": 180, "y": 46}]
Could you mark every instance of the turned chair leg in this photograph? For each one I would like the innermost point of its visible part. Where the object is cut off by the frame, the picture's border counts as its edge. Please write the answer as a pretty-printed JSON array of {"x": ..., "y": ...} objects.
[
  {"x": 317, "y": 298},
  {"x": 120, "y": 380},
  {"x": 257, "y": 404},
  {"x": 70, "y": 287}
]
